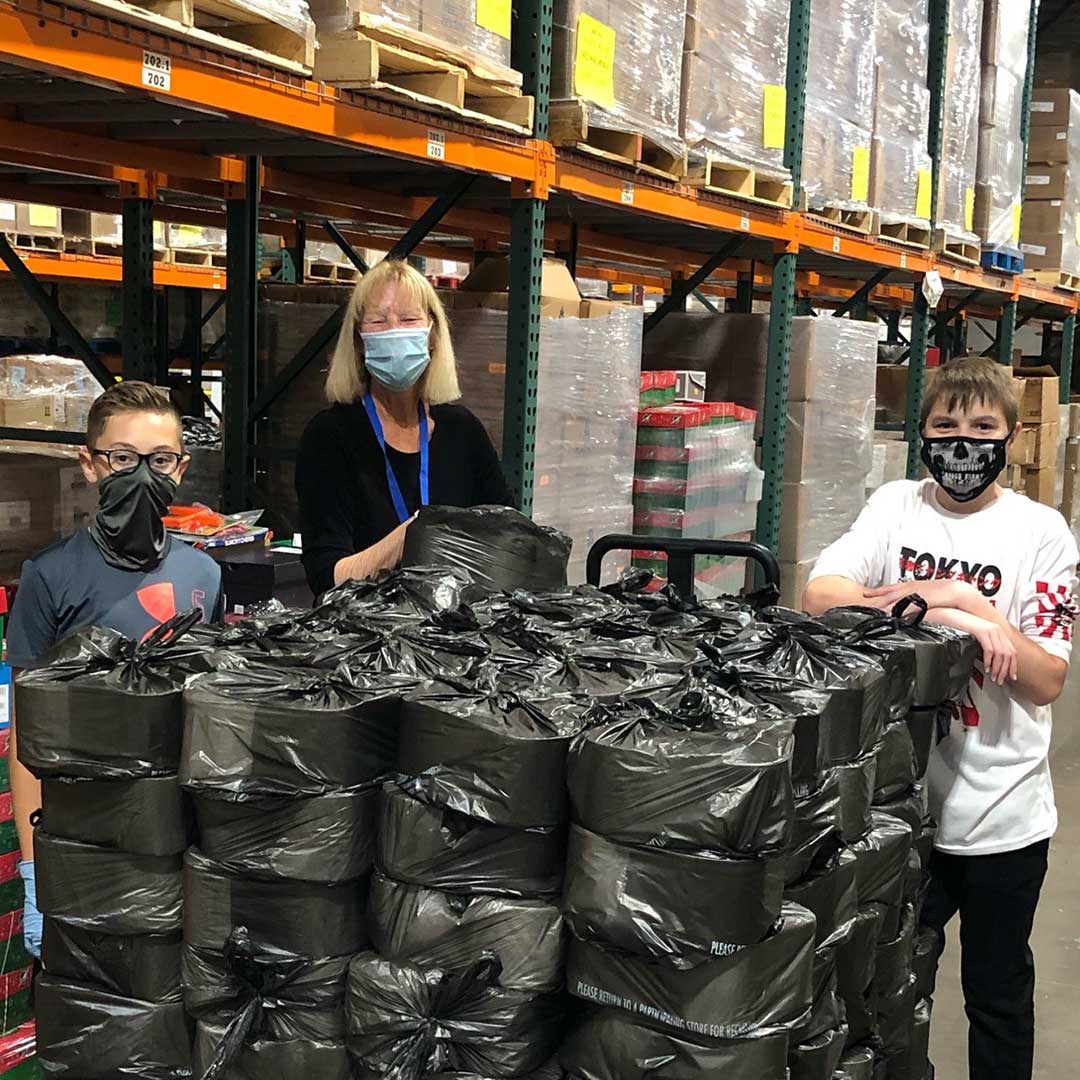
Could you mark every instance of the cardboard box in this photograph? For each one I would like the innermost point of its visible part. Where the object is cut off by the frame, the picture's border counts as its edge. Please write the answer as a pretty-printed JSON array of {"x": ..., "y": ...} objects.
[
  {"x": 1046, "y": 181},
  {"x": 813, "y": 515},
  {"x": 794, "y": 577},
  {"x": 1048, "y": 146},
  {"x": 1057, "y": 69},
  {"x": 1036, "y": 445},
  {"x": 1044, "y": 251},
  {"x": 823, "y": 443},
  {"x": 1039, "y": 484},
  {"x": 1050, "y": 108},
  {"x": 488, "y": 286},
  {"x": 38, "y": 220},
  {"x": 892, "y": 388},
  {"x": 689, "y": 385},
  {"x": 1073, "y": 428},
  {"x": 33, "y": 410},
  {"x": 1043, "y": 216},
  {"x": 1037, "y": 394}
]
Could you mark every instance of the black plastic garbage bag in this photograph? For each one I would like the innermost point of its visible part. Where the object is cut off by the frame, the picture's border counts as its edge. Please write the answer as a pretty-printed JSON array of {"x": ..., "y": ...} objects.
[
  {"x": 943, "y": 655},
  {"x": 325, "y": 838},
  {"x": 143, "y": 966},
  {"x": 410, "y": 924},
  {"x": 497, "y": 757},
  {"x": 271, "y": 1059},
  {"x": 398, "y": 597},
  {"x": 922, "y": 726},
  {"x": 98, "y": 888},
  {"x": 548, "y": 1071},
  {"x": 830, "y": 894},
  {"x": 406, "y": 1022},
  {"x": 897, "y": 767},
  {"x": 678, "y": 906},
  {"x": 145, "y": 817},
  {"x": 89, "y": 1034},
  {"x": 896, "y": 1013},
  {"x": 823, "y": 734},
  {"x": 857, "y": 779},
  {"x": 565, "y": 614},
  {"x": 682, "y": 771},
  {"x": 913, "y": 1062},
  {"x": 609, "y": 1045},
  {"x": 827, "y": 1009},
  {"x": 443, "y": 849},
  {"x": 811, "y": 652},
  {"x": 924, "y": 960},
  {"x": 892, "y": 966},
  {"x": 856, "y": 1064},
  {"x": 299, "y": 917},
  {"x": 289, "y": 731},
  {"x": 754, "y": 990},
  {"x": 856, "y": 964},
  {"x": 817, "y": 1058},
  {"x": 880, "y": 867},
  {"x": 102, "y": 706},
  {"x": 610, "y": 670},
  {"x": 909, "y": 806},
  {"x": 498, "y": 547}
]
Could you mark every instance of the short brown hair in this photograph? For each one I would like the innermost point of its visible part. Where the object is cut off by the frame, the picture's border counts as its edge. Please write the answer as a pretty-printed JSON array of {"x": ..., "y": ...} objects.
[
  {"x": 961, "y": 383},
  {"x": 130, "y": 396}
]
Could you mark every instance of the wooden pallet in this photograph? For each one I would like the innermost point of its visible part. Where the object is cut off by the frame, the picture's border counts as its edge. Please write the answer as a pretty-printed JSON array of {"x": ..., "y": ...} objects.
[
  {"x": 353, "y": 60},
  {"x": 31, "y": 241},
  {"x": 956, "y": 247},
  {"x": 861, "y": 221},
  {"x": 902, "y": 232},
  {"x": 196, "y": 257},
  {"x": 739, "y": 181},
  {"x": 318, "y": 270},
  {"x": 104, "y": 249},
  {"x": 568, "y": 126},
  {"x": 217, "y": 24},
  {"x": 1056, "y": 279}
]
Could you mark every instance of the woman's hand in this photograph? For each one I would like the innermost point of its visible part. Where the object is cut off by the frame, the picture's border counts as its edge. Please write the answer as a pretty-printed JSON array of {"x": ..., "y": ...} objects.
[
  {"x": 385, "y": 555},
  {"x": 999, "y": 653}
]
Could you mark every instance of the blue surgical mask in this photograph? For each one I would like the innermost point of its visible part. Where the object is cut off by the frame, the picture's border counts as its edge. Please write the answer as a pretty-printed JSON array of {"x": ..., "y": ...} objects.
[{"x": 397, "y": 358}]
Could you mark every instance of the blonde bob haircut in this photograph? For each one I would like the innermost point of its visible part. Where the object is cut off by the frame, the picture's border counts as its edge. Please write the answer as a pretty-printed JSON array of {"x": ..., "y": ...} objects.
[{"x": 347, "y": 380}]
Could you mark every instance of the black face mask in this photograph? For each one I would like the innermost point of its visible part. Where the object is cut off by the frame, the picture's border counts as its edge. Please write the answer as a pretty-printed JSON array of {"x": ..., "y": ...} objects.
[
  {"x": 964, "y": 467},
  {"x": 127, "y": 527}
]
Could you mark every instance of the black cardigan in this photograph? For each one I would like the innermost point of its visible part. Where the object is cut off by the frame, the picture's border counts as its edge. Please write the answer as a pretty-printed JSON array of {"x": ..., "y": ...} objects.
[{"x": 344, "y": 498}]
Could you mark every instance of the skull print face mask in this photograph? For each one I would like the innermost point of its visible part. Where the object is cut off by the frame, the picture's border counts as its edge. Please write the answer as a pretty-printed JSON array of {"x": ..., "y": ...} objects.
[{"x": 964, "y": 467}]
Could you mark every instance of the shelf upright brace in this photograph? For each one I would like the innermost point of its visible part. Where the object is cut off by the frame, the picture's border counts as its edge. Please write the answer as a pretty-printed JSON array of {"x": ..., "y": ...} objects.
[
  {"x": 1025, "y": 104},
  {"x": 292, "y": 258},
  {"x": 1068, "y": 338},
  {"x": 920, "y": 336},
  {"x": 680, "y": 290},
  {"x": 193, "y": 347},
  {"x": 347, "y": 249},
  {"x": 530, "y": 47},
  {"x": 1003, "y": 350},
  {"x": 744, "y": 290},
  {"x": 137, "y": 336},
  {"x": 242, "y": 252},
  {"x": 857, "y": 303},
  {"x": 937, "y": 69}
]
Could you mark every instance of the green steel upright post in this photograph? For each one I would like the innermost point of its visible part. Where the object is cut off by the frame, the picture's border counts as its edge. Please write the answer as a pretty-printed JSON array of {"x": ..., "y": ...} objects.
[
  {"x": 531, "y": 54},
  {"x": 937, "y": 68},
  {"x": 782, "y": 306},
  {"x": 1025, "y": 107},
  {"x": 920, "y": 335},
  {"x": 1006, "y": 334},
  {"x": 137, "y": 290},
  {"x": 1068, "y": 339}
]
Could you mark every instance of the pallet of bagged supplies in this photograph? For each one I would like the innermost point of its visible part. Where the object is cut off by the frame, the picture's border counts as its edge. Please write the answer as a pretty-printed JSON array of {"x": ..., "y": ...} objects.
[{"x": 276, "y": 32}]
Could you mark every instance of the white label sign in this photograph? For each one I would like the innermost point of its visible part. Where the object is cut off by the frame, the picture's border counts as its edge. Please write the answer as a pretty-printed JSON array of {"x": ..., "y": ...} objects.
[
  {"x": 627, "y": 196},
  {"x": 1037, "y": 179},
  {"x": 932, "y": 287},
  {"x": 436, "y": 144},
  {"x": 156, "y": 71},
  {"x": 744, "y": 224},
  {"x": 836, "y": 245}
]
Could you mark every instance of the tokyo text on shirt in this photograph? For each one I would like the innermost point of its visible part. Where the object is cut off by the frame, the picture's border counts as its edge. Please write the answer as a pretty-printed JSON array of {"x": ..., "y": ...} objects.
[{"x": 989, "y": 778}]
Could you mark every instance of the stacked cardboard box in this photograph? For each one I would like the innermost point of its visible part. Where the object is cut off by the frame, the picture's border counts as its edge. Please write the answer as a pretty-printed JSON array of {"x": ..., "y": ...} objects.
[
  {"x": 622, "y": 59},
  {"x": 960, "y": 131},
  {"x": 1069, "y": 465},
  {"x": 733, "y": 82},
  {"x": 999, "y": 176},
  {"x": 900, "y": 167},
  {"x": 53, "y": 393},
  {"x": 839, "y": 105},
  {"x": 1051, "y": 222},
  {"x": 1036, "y": 448}
]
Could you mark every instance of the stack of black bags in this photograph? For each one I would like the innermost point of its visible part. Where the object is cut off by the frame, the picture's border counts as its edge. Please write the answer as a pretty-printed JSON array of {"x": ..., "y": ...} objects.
[{"x": 100, "y": 724}]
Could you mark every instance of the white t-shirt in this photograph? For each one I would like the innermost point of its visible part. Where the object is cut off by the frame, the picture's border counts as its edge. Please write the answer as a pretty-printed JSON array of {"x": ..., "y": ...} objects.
[{"x": 989, "y": 779}]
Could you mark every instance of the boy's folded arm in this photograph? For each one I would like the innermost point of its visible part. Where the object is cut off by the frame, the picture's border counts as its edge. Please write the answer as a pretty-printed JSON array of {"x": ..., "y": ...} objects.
[{"x": 831, "y": 590}]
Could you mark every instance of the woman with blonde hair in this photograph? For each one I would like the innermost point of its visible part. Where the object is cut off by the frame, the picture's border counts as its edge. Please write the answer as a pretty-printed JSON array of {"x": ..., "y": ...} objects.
[{"x": 391, "y": 441}]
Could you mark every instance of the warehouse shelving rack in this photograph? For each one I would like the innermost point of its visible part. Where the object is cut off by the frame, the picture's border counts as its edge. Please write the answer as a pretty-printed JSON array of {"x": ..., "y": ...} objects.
[{"x": 230, "y": 140}]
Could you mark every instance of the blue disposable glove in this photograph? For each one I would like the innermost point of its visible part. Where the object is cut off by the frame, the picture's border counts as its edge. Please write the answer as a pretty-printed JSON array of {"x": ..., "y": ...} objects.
[{"x": 31, "y": 915}]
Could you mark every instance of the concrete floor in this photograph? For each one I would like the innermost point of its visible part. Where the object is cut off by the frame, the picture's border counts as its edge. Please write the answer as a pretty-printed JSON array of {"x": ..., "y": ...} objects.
[{"x": 1056, "y": 940}]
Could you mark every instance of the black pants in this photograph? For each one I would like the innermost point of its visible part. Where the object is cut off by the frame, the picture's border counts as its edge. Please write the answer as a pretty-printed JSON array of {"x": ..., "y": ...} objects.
[{"x": 995, "y": 896}]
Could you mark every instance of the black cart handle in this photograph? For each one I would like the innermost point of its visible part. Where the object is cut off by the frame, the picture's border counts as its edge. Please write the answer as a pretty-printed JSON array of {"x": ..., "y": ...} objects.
[{"x": 680, "y": 551}]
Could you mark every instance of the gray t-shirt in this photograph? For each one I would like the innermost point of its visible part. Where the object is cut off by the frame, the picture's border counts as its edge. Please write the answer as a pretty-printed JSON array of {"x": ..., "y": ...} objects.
[{"x": 70, "y": 586}]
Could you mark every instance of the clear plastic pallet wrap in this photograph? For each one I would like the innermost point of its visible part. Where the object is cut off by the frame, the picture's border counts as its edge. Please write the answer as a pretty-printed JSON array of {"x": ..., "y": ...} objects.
[
  {"x": 839, "y": 104},
  {"x": 53, "y": 393},
  {"x": 587, "y": 396},
  {"x": 900, "y": 164},
  {"x": 643, "y": 41},
  {"x": 293, "y": 15},
  {"x": 449, "y": 27},
  {"x": 733, "y": 77},
  {"x": 960, "y": 132}
]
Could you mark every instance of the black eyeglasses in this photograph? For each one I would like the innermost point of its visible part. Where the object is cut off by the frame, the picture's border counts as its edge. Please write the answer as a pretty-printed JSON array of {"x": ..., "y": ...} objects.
[{"x": 162, "y": 462}]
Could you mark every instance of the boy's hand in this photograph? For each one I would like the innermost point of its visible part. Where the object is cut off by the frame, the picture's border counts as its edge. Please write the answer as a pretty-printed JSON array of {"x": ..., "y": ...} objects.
[
  {"x": 942, "y": 593},
  {"x": 999, "y": 653}
]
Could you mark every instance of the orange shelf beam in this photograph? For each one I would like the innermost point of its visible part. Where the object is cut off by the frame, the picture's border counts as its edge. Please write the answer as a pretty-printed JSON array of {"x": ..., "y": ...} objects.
[{"x": 60, "y": 266}]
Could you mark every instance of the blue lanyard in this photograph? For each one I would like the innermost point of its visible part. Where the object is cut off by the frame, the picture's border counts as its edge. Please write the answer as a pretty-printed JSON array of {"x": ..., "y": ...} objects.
[{"x": 392, "y": 481}]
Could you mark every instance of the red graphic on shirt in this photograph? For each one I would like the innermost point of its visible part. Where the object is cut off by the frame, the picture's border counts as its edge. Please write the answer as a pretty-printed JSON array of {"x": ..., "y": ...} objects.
[
  {"x": 966, "y": 710},
  {"x": 158, "y": 601},
  {"x": 926, "y": 566},
  {"x": 1057, "y": 612}
]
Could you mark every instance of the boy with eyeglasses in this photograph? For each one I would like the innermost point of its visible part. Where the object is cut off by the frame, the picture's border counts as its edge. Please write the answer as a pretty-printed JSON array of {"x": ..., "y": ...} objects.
[{"x": 122, "y": 571}]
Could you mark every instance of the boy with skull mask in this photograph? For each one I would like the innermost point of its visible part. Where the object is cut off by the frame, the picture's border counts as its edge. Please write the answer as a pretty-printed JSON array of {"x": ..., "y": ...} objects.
[
  {"x": 1002, "y": 567},
  {"x": 122, "y": 571}
]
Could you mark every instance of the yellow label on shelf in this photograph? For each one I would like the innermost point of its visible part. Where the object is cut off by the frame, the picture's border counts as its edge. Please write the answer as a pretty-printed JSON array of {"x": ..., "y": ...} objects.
[
  {"x": 969, "y": 209},
  {"x": 594, "y": 62},
  {"x": 860, "y": 173},
  {"x": 773, "y": 117},
  {"x": 189, "y": 230},
  {"x": 42, "y": 217},
  {"x": 494, "y": 15},
  {"x": 923, "y": 190},
  {"x": 1018, "y": 210}
]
